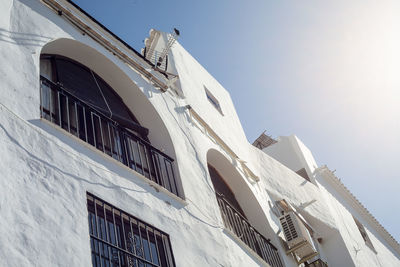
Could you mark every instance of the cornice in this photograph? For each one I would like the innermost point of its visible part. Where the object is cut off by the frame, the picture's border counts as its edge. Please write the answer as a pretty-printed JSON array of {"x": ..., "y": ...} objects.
[{"x": 357, "y": 205}]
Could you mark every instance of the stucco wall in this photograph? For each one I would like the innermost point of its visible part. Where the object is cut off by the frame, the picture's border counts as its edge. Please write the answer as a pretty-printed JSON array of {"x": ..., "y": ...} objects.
[
  {"x": 45, "y": 172},
  {"x": 360, "y": 253}
]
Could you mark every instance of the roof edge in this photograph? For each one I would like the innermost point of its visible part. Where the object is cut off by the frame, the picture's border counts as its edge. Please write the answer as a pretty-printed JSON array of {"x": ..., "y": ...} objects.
[{"x": 363, "y": 210}]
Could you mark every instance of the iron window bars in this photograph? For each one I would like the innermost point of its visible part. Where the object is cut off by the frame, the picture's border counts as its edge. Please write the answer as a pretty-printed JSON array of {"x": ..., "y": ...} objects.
[
  {"x": 78, "y": 118},
  {"x": 118, "y": 239},
  {"x": 238, "y": 224}
]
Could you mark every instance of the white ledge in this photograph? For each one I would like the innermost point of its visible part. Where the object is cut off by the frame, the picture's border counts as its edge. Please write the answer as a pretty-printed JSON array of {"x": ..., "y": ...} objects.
[
  {"x": 245, "y": 247},
  {"x": 209, "y": 132},
  {"x": 158, "y": 188}
]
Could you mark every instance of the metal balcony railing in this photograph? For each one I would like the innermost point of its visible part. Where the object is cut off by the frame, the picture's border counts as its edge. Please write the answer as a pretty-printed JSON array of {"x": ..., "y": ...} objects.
[
  {"x": 91, "y": 126},
  {"x": 238, "y": 224}
]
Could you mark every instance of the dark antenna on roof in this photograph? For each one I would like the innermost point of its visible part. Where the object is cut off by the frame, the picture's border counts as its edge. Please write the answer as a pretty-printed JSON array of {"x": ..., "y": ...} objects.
[{"x": 171, "y": 40}]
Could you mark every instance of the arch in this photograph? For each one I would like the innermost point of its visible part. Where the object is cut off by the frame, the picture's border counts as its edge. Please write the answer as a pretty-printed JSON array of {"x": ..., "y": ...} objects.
[
  {"x": 222, "y": 189},
  {"x": 81, "y": 82},
  {"x": 125, "y": 84},
  {"x": 241, "y": 190}
]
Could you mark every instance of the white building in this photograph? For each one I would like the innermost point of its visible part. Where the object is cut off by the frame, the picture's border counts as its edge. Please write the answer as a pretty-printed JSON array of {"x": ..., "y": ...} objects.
[{"x": 112, "y": 157}]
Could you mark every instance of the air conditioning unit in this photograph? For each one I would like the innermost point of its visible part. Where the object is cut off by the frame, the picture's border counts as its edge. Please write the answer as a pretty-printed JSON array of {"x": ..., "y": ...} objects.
[{"x": 296, "y": 235}]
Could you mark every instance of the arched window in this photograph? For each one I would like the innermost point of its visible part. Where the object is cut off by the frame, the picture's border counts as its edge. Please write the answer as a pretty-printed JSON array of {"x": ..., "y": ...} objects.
[
  {"x": 223, "y": 190},
  {"x": 78, "y": 100},
  {"x": 240, "y": 210},
  {"x": 87, "y": 86}
]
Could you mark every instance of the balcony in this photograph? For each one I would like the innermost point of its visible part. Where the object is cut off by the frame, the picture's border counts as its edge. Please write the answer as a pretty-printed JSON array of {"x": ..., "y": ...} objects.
[
  {"x": 88, "y": 124},
  {"x": 238, "y": 224}
]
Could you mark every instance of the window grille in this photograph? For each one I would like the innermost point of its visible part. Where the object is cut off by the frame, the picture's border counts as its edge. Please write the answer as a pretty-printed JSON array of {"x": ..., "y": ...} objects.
[
  {"x": 118, "y": 239},
  {"x": 236, "y": 221},
  {"x": 242, "y": 228},
  {"x": 85, "y": 119}
]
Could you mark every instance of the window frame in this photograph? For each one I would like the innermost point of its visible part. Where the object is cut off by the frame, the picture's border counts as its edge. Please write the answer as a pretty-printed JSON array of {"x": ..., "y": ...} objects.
[
  {"x": 145, "y": 239},
  {"x": 213, "y": 100},
  {"x": 364, "y": 235}
]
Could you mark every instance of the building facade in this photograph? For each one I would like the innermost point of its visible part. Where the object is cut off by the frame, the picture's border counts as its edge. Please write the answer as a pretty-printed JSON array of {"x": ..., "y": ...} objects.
[{"x": 114, "y": 157}]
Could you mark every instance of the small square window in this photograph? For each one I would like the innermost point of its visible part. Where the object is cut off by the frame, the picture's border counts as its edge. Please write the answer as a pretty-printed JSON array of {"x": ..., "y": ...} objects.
[
  {"x": 213, "y": 100},
  {"x": 364, "y": 234}
]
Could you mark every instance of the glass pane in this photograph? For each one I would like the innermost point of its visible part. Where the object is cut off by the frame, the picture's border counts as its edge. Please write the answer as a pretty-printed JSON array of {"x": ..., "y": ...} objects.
[
  {"x": 153, "y": 249},
  {"x": 106, "y": 137},
  {"x": 46, "y": 69},
  {"x": 81, "y": 122},
  {"x": 97, "y": 130},
  {"x": 161, "y": 250},
  {"x": 101, "y": 222},
  {"x": 116, "y": 144},
  {"x": 72, "y": 117},
  {"x": 130, "y": 153},
  {"x": 171, "y": 177},
  {"x": 164, "y": 175},
  {"x": 143, "y": 157},
  {"x": 89, "y": 127},
  {"x": 64, "y": 112},
  {"x": 136, "y": 156},
  {"x": 146, "y": 245},
  {"x": 137, "y": 241},
  {"x": 54, "y": 106},
  {"x": 45, "y": 101}
]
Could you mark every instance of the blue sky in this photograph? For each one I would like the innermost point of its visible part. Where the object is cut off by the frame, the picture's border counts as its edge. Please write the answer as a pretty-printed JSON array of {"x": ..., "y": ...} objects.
[{"x": 327, "y": 71}]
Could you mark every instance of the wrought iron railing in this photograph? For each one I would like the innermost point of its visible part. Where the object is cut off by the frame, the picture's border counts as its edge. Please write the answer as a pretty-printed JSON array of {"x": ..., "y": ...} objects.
[
  {"x": 238, "y": 224},
  {"x": 118, "y": 239},
  {"x": 91, "y": 126}
]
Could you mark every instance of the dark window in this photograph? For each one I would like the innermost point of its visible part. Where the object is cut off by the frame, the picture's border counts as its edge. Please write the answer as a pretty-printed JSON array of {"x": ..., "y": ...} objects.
[
  {"x": 213, "y": 100},
  {"x": 121, "y": 240},
  {"x": 84, "y": 84},
  {"x": 364, "y": 234},
  {"x": 303, "y": 173},
  {"x": 80, "y": 102}
]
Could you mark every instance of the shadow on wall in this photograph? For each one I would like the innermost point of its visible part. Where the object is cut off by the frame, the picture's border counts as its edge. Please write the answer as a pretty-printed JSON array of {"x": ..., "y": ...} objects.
[
  {"x": 242, "y": 191},
  {"x": 130, "y": 86},
  {"x": 109, "y": 166}
]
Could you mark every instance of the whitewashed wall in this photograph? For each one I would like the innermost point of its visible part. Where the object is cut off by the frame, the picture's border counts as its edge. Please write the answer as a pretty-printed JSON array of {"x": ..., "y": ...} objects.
[
  {"x": 343, "y": 245},
  {"x": 45, "y": 172},
  {"x": 344, "y": 211}
]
